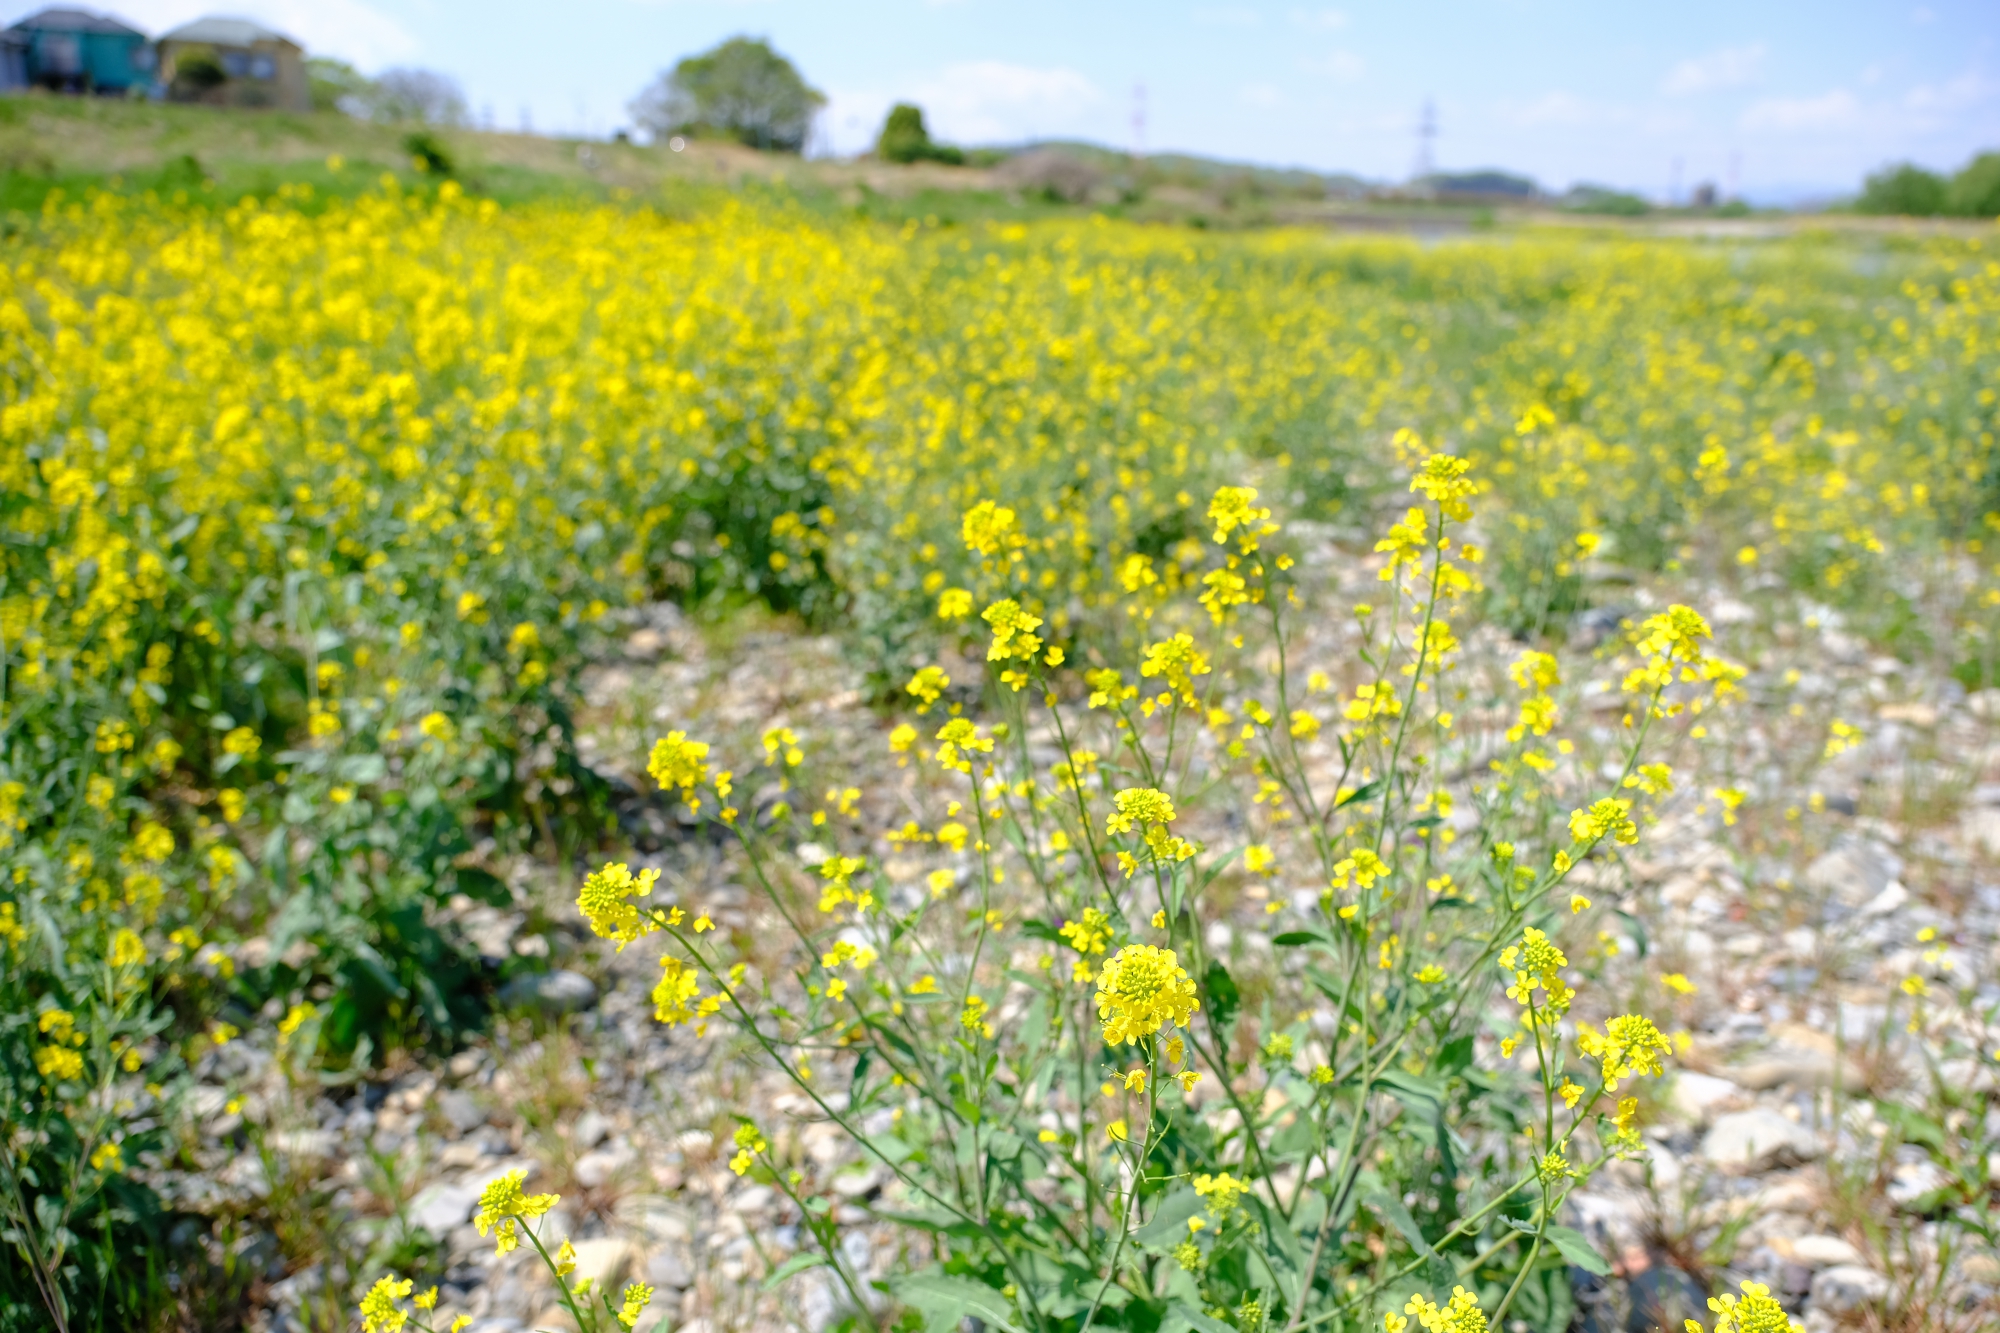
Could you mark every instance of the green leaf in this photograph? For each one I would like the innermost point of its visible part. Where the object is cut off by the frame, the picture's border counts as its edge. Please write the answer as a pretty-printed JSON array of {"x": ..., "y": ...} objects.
[
  {"x": 364, "y": 769},
  {"x": 1295, "y": 1139},
  {"x": 1187, "y": 1319},
  {"x": 1454, "y": 1055},
  {"x": 1293, "y": 938},
  {"x": 1576, "y": 1248},
  {"x": 945, "y": 1301},
  {"x": 1425, "y": 1096},
  {"x": 889, "y": 1148},
  {"x": 1367, "y": 791},
  {"x": 932, "y": 1219},
  {"x": 1168, "y": 1225},
  {"x": 798, "y": 1263},
  {"x": 1222, "y": 992},
  {"x": 1391, "y": 1210}
]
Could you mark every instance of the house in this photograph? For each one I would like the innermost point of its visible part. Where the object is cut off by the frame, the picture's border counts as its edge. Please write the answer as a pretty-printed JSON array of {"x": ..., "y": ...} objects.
[
  {"x": 75, "y": 51},
  {"x": 13, "y": 60},
  {"x": 234, "y": 62}
]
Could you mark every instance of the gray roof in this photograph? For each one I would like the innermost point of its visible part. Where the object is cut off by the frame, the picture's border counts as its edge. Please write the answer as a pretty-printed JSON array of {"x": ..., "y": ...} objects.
[
  {"x": 225, "y": 32},
  {"x": 74, "y": 20}
]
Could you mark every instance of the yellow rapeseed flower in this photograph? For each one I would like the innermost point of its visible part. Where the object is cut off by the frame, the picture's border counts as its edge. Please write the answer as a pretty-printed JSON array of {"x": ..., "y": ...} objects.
[
  {"x": 1140, "y": 989},
  {"x": 502, "y": 1206}
]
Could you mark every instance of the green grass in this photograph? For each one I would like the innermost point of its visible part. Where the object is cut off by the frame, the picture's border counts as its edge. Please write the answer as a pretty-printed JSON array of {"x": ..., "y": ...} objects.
[{"x": 76, "y": 145}]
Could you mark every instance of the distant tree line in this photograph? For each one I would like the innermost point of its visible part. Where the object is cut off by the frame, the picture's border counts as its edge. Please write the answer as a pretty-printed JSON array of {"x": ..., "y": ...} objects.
[
  {"x": 1908, "y": 190},
  {"x": 741, "y": 90},
  {"x": 399, "y": 96}
]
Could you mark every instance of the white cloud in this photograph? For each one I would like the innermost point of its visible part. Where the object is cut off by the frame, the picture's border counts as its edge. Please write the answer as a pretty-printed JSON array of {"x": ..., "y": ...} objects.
[
  {"x": 1342, "y": 65},
  {"x": 1327, "y": 19},
  {"x": 1260, "y": 95},
  {"x": 1831, "y": 110},
  {"x": 347, "y": 29},
  {"x": 1554, "y": 108},
  {"x": 1730, "y": 67},
  {"x": 1967, "y": 90},
  {"x": 992, "y": 101}
]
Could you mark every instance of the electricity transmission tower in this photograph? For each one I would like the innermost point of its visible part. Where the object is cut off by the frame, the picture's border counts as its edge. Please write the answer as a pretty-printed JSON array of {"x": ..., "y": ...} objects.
[{"x": 1427, "y": 129}]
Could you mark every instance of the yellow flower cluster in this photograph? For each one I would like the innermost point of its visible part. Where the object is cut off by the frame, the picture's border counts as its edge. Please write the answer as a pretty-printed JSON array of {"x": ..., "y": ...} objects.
[
  {"x": 1629, "y": 1046},
  {"x": 1756, "y": 1312},
  {"x": 1461, "y": 1314},
  {"x": 1141, "y": 989},
  {"x": 1089, "y": 933},
  {"x": 503, "y": 1207},
  {"x": 606, "y": 903}
]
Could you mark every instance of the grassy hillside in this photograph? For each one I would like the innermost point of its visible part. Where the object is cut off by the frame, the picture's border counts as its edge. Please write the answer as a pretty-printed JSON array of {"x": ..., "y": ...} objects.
[{"x": 76, "y": 144}]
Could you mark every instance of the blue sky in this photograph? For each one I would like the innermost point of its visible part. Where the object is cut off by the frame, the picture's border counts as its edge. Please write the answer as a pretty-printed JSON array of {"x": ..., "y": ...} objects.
[{"x": 1788, "y": 100}]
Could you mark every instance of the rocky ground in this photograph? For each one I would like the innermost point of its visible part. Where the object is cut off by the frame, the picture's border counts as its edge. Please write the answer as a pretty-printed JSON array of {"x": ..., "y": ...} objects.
[{"x": 1831, "y": 1124}]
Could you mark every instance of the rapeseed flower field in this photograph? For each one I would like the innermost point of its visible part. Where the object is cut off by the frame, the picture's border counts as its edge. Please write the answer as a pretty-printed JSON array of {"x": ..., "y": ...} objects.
[{"x": 313, "y": 511}]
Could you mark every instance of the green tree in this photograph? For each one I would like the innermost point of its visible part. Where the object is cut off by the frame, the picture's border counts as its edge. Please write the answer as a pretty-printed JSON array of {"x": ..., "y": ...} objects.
[
  {"x": 1904, "y": 189},
  {"x": 741, "y": 90},
  {"x": 905, "y": 139},
  {"x": 338, "y": 86},
  {"x": 421, "y": 95},
  {"x": 198, "y": 72},
  {"x": 1975, "y": 191}
]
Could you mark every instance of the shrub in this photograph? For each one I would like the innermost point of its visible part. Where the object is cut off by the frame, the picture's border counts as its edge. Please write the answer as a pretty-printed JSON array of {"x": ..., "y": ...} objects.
[
  {"x": 198, "y": 71},
  {"x": 904, "y": 139},
  {"x": 428, "y": 154},
  {"x": 1904, "y": 189},
  {"x": 1975, "y": 190}
]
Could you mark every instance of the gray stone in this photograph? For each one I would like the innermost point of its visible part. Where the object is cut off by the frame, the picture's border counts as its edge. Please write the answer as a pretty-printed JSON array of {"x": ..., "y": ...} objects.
[
  {"x": 1848, "y": 1288},
  {"x": 442, "y": 1207},
  {"x": 604, "y": 1260},
  {"x": 1914, "y": 1182},
  {"x": 1982, "y": 829},
  {"x": 557, "y": 992},
  {"x": 1853, "y": 874},
  {"x": 1757, "y": 1140},
  {"x": 1890, "y": 899},
  {"x": 460, "y": 1110},
  {"x": 590, "y": 1129},
  {"x": 595, "y": 1168},
  {"x": 666, "y": 1268},
  {"x": 307, "y": 1144},
  {"x": 1696, "y": 1096},
  {"x": 755, "y": 1199},
  {"x": 1824, "y": 1252}
]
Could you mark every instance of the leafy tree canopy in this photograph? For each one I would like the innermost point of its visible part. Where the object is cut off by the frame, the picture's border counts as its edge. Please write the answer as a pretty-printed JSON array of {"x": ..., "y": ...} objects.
[
  {"x": 1975, "y": 191},
  {"x": 741, "y": 90},
  {"x": 1904, "y": 189},
  {"x": 904, "y": 138}
]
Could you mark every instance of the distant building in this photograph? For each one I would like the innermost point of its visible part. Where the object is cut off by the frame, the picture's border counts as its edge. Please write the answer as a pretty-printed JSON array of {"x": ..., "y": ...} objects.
[
  {"x": 13, "y": 61},
  {"x": 234, "y": 62},
  {"x": 1480, "y": 187},
  {"x": 75, "y": 51}
]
